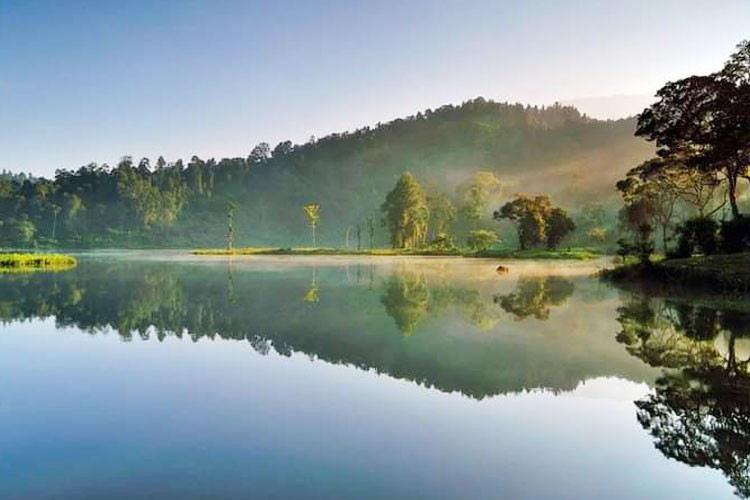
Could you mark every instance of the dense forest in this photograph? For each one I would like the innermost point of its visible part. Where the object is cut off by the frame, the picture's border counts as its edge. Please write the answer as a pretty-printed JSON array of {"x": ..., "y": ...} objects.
[{"x": 142, "y": 203}]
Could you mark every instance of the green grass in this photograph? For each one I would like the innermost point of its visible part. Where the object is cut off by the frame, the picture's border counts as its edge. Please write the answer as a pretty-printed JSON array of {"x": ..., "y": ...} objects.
[
  {"x": 560, "y": 254},
  {"x": 572, "y": 253},
  {"x": 23, "y": 262}
]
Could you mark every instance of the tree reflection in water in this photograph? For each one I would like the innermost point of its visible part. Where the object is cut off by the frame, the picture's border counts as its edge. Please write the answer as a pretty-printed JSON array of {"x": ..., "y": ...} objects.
[
  {"x": 409, "y": 297},
  {"x": 405, "y": 299},
  {"x": 535, "y": 295},
  {"x": 699, "y": 411},
  {"x": 444, "y": 306}
]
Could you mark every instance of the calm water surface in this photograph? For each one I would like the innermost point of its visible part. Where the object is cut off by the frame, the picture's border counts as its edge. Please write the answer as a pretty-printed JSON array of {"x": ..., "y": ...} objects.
[{"x": 160, "y": 375}]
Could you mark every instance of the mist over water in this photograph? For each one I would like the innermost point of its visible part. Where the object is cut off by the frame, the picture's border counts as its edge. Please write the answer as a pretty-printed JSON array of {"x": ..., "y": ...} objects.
[{"x": 175, "y": 376}]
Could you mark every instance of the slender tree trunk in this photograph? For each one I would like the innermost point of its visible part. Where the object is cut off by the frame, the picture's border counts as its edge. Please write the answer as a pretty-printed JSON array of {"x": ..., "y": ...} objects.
[
  {"x": 54, "y": 225},
  {"x": 230, "y": 231},
  {"x": 733, "y": 194},
  {"x": 313, "y": 231},
  {"x": 664, "y": 237},
  {"x": 731, "y": 355}
]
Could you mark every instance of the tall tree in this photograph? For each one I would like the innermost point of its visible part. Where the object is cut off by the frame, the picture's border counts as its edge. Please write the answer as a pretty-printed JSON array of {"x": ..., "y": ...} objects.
[
  {"x": 530, "y": 218},
  {"x": 442, "y": 214},
  {"x": 476, "y": 193},
  {"x": 231, "y": 208},
  {"x": 711, "y": 115},
  {"x": 559, "y": 225},
  {"x": 371, "y": 231},
  {"x": 407, "y": 213}
]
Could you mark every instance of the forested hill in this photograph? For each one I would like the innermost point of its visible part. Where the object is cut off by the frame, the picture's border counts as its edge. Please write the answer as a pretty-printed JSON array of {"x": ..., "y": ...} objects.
[{"x": 553, "y": 150}]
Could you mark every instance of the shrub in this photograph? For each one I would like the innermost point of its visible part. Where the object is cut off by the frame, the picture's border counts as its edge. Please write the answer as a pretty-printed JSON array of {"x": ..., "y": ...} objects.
[
  {"x": 698, "y": 232},
  {"x": 443, "y": 241},
  {"x": 735, "y": 235},
  {"x": 597, "y": 234},
  {"x": 481, "y": 239},
  {"x": 624, "y": 248}
]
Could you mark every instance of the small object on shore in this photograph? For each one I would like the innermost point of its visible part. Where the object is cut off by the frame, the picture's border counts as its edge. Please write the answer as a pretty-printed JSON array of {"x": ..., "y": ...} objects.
[{"x": 501, "y": 270}]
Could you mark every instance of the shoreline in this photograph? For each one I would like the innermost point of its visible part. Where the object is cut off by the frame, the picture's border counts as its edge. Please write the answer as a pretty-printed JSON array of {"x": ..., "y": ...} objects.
[
  {"x": 729, "y": 273},
  {"x": 569, "y": 254}
]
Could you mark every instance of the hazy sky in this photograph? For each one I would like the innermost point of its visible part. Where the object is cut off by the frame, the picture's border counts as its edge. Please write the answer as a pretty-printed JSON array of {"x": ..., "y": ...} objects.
[{"x": 95, "y": 80}]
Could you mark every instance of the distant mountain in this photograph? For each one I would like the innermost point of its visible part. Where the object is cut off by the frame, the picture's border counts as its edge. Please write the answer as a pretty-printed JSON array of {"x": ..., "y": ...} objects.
[{"x": 554, "y": 150}]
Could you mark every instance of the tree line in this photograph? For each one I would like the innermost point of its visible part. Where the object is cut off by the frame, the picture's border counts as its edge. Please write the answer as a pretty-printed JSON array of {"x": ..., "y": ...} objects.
[
  {"x": 140, "y": 202},
  {"x": 416, "y": 220}
]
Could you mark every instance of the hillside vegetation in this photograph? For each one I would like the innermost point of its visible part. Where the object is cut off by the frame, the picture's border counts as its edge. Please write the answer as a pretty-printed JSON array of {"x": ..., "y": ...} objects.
[{"x": 553, "y": 150}]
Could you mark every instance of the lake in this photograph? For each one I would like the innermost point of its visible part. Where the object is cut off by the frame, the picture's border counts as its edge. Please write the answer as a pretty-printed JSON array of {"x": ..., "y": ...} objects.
[{"x": 161, "y": 375}]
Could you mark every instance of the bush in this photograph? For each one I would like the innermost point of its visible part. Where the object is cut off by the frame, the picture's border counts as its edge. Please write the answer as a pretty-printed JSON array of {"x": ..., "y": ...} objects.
[
  {"x": 481, "y": 239},
  {"x": 735, "y": 235},
  {"x": 698, "y": 232},
  {"x": 443, "y": 241},
  {"x": 597, "y": 234},
  {"x": 624, "y": 248}
]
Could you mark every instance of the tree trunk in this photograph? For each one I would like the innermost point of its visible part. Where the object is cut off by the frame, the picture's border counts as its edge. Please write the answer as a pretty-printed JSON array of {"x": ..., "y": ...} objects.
[
  {"x": 54, "y": 225},
  {"x": 733, "y": 195},
  {"x": 731, "y": 356},
  {"x": 664, "y": 237}
]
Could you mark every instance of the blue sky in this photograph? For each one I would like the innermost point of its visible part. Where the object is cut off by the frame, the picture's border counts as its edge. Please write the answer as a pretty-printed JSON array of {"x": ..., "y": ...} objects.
[{"x": 84, "y": 81}]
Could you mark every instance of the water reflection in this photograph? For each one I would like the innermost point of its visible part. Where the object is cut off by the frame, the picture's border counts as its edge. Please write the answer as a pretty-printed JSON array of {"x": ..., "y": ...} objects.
[
  {"x": 456, "y": 327},
  {"x": 533, "y": 296},
  {"x": 409, "y": 297},
  {"x": 699, "y": 411},
  {"x": 452, "y": 327}
]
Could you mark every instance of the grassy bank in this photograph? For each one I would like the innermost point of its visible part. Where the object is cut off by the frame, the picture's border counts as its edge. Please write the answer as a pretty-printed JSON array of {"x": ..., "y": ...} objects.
[
  {"x": 723, "y": 273},
  {"x": 21, "y": 262},
  {"x": 573, "y": 253}
]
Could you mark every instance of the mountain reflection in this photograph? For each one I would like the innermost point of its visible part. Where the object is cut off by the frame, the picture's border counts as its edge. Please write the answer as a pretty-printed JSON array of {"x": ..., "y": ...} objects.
[
  {"x": 437, "y": 325},
  {"x": 699, "y": 412}
]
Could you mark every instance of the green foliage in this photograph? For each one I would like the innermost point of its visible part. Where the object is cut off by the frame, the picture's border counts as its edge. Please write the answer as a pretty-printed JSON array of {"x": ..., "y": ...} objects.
[
  {"x": 231, "y": 209},
  {"x": 476, "y": 193},
  {"x": 533, "y": 297},
  {"x": 312, "y": 211},
  {"x": 597, "y": 234},
  {"x": 22, "y": 231},
  {"x": 407, "y": 213},
  {"x": 559, "y": 225},
  {"x": 482, "y": 240},
  {"x": 167, "y": 204},
  {"x": 34, "y": 261},
  {"x": 157, "y": 197},
  {"x": 537, "y": 221},
  {"x": 530, "y": 217},
  {"x": 703, "y": 123},
  {"x": 443, "y": 241},
  {"x": 405, "y": 300},
  {"x": 442, "y": 213},
  {"x": 698, "y": 232}
]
